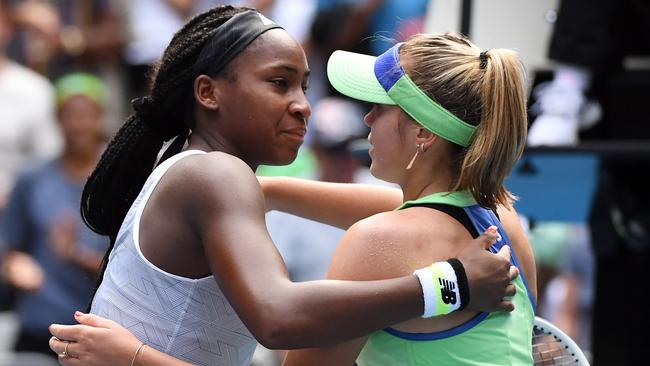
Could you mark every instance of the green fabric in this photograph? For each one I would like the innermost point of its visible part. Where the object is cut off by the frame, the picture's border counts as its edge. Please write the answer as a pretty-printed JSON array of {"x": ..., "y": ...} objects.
[
  {"x": 83, "y": 84},
  {"x": 458, "y": 199},
  {"x": 499, "y": 339},
  {"x": 353, "y": 75},
  {"x": 430, "y": 114}
]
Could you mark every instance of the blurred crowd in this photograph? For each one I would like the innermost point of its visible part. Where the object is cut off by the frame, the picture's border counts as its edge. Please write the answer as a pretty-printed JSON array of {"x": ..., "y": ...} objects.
[{"x": 68, "y": 71}]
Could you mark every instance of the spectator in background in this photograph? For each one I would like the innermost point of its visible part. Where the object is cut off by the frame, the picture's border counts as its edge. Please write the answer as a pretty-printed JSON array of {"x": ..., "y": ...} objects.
[
  {"x": 577, "y": 275},
  {"x": 55, "y": 37},
  {"x": 296, "y": 16},
  {"x": 565, "y": 277},
  {"x": 590, "y": 43},
  {"x": 50, "y": 257},
  {"x": 152, "y": 23},
  {"x": 27, "y": 131},
  {"x": 58, "y": 36}
]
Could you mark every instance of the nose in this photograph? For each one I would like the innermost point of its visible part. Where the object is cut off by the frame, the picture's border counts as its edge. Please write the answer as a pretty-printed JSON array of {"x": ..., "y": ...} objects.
[
  {"x": 301, "y": 107},
  {"x": 369, "y": 118}
]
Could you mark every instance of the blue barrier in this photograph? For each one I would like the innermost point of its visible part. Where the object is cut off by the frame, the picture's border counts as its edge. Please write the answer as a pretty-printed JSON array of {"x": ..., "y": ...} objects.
[{"x": 555, "y": 187}]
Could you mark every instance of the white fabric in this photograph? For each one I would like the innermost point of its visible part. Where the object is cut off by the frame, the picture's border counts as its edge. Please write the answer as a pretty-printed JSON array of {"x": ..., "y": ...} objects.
[
  {"x": 430, "y": 291},
  {"x": 190, "y": 319},
  {"x": 572, "y": 76},
  {"x": 27, "y": 127},
  {"x": 562, "y": 111}
]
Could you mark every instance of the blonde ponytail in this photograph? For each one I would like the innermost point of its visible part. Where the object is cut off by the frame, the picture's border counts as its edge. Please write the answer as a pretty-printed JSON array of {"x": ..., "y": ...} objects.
[{"x": 487, "y": 92}]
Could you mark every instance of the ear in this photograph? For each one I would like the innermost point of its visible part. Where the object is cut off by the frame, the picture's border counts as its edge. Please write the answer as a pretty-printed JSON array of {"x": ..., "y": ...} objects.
[
  {"x": 206, "y": 92},
  {"x": 425, "y": 138}
]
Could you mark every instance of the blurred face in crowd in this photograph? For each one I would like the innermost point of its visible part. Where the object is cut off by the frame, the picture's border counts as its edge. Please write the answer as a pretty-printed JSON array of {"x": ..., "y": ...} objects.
[
  {"x": 5, "y": 28},
  {"x": 82, "y": 124}
]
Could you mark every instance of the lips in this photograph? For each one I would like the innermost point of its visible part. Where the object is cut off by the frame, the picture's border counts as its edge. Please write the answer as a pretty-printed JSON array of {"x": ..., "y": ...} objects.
[{"x": 296, "y": 133}]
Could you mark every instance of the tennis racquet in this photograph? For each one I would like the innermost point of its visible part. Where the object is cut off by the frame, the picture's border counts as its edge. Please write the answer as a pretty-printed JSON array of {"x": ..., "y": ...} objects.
[{"x": 551, "y": 346}]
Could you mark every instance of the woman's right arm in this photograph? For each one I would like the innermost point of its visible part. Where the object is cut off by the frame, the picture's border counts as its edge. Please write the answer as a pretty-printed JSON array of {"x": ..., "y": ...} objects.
[
  {"x": 336, "y": 204},
  {"x": 224, "y": 205}
]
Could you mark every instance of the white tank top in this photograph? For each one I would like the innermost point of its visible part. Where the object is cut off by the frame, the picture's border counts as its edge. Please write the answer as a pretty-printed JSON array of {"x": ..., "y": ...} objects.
[{"x": 190, "y": 319}]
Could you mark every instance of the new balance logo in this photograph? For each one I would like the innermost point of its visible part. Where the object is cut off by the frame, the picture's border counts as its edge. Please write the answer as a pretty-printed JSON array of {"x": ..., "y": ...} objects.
[{"x": 447, "y": 292}]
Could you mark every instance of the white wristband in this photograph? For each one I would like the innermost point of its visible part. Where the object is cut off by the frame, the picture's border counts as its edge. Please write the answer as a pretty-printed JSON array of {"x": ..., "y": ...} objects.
[{"x": 439, "y": 288}]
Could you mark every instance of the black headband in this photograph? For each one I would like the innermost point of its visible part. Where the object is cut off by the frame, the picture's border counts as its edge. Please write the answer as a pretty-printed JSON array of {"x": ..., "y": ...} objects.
[{"x": 229, "y": 39}]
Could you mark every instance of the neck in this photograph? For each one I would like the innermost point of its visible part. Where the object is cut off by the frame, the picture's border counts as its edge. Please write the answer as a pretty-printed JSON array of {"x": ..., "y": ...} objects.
[
  {"x": 215, "y": 142},
  {"x": 424, "y": 179}
]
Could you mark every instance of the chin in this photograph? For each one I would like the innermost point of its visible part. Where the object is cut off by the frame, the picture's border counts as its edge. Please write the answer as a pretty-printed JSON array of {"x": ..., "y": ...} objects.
[
  {"x": 376, "y": 172},
  {"x": 284, "y": 158},
  {"x": 383, "y": 174}
]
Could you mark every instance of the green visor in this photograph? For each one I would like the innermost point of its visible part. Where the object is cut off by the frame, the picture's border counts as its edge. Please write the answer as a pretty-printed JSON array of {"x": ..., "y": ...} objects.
[{"x": 382, "y": 80}]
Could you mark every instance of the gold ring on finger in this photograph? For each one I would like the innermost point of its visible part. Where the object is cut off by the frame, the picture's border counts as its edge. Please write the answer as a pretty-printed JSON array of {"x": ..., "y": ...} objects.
[{"x": 65, "y": 350}]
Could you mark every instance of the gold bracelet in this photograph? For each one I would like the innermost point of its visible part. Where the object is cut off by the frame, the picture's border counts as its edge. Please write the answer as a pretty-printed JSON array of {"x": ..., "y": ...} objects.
[{"x": 137, "y": 351}]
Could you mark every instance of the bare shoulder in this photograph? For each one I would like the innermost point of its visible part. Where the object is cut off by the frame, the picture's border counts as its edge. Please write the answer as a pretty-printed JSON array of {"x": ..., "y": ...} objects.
[
  {"x": 393, "y": 244},
  {"x": 207, "y": 189},
  {"x": 214, "y": 180},
  {"x": 520, "y": 243},
  {"x": 364, "y": 246}
]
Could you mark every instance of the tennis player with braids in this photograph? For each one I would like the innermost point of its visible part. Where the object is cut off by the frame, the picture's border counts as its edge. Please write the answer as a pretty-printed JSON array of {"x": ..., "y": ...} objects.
[{"x": 192, "y": 272}]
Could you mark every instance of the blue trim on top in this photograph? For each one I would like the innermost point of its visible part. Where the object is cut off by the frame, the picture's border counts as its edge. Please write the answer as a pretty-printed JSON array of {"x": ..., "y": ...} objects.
[
  {"x": 438, "y": 335},
  {"x": 387, "y": 68},
  {"x": 482, "y": 219}
]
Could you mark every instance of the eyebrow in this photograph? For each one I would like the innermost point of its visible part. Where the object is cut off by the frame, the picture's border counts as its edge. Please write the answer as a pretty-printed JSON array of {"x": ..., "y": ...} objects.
[{"x": 290, "y": 69}]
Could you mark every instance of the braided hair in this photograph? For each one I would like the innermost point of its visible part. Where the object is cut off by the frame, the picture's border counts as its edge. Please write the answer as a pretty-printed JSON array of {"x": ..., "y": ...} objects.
[{"x": 130, "y": 157}]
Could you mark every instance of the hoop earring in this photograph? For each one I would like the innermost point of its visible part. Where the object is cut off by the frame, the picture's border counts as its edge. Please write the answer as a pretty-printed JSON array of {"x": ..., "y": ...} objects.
[{"x": 417, "y": 151}]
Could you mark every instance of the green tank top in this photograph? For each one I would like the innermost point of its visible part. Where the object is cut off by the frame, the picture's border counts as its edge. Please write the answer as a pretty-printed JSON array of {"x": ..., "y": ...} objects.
[{"x": 487, "y": 339}]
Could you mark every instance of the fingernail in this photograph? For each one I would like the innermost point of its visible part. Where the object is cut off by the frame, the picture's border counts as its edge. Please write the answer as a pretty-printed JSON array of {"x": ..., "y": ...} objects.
[
  {"x": 78, "y": 313},
  {"x": 492, "y": 229}
]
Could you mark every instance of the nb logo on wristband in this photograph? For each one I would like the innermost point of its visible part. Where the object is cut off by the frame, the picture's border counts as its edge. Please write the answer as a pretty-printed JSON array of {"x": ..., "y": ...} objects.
[{"x": 447, "y": 292}]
